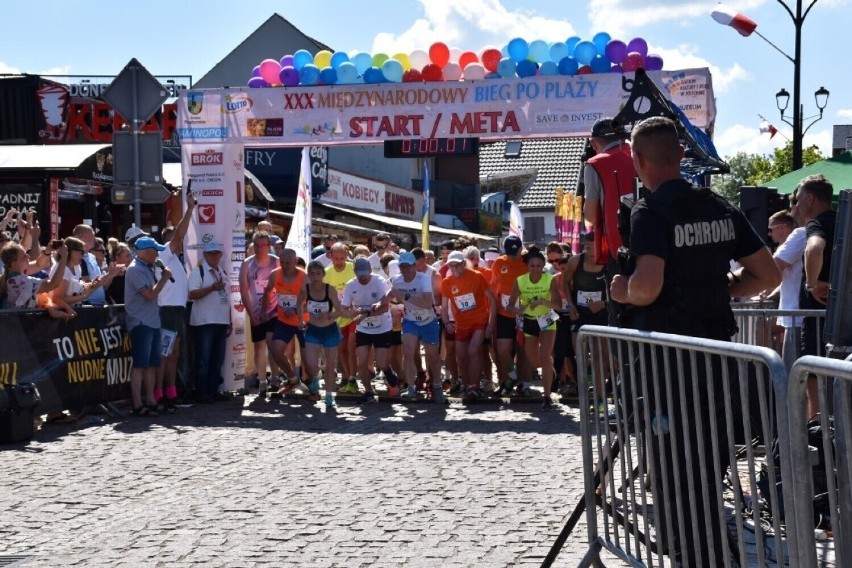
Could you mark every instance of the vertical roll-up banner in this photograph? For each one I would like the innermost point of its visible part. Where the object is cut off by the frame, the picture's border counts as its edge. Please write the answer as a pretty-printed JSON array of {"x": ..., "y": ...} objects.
[{"x": 217, "y": 172}]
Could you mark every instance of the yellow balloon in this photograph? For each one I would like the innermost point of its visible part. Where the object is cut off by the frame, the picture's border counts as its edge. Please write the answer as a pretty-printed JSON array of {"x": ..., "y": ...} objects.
[
  {"x": 322, "y": 59},
  {"x": 403, "y": 58}
]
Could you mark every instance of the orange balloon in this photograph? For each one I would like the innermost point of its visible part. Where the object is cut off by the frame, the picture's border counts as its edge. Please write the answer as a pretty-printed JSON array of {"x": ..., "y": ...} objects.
[
  {"x": 466, "y": 58},
  {"x": 439, "y": 53}
]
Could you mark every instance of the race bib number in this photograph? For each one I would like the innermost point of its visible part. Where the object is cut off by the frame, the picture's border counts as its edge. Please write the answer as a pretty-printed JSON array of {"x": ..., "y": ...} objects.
[
  {"x": 465, "y": 302},
  {"x": 371, "y": 322},
  {"x": 586, "y": 298},
  {"x": 547, "y": 319},
  {"x": 317, "y": 307},
  {"x": 504, "y": 300},
  {"x": 260, "y": 285},
  {"x": 287, "y": 301},
  {"x": 419, "y": 315}
]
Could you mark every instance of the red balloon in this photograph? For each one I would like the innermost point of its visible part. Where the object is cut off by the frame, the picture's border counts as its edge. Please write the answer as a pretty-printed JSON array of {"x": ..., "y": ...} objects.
[
  {"x": 439, "y": 53},
  {"x": 584, "y": 70},
  {"x": 491, "y": 59},
  {"x": 432, "y": 73},
  {"x": 466, "y": 58},
  {"x": 412, "y": 76}
]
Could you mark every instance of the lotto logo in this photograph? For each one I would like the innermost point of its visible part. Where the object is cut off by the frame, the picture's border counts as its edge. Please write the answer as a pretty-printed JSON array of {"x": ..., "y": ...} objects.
[{"x": 207, "y": 214}]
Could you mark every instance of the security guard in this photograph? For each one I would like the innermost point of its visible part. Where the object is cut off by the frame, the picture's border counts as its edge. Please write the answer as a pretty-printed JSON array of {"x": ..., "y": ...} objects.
[{"x": 682, "y": 239}]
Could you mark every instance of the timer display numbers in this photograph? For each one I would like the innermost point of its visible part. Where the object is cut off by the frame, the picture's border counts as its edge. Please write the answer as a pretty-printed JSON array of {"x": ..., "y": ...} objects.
[{"x": 422, "y": 147}]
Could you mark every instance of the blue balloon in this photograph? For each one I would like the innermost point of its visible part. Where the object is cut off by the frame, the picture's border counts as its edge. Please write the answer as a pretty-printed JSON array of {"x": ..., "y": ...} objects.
[
  {"x": 518, "y": 49},
  {"x": 373, "y": 75},
  {"x": 301, "y": 58},
  {"x": 309, "y": 74},
  {"x": 506, "y": 68},
  {"x": 568, "y": 66},
  {"x": 526, "y": 68},
  {"x": 328, "y": 76},
  {"x": 539, "y": 51},
  {"x": 558, "y": 50},
  {"x": 392, "y": 70},
  {"x": 347, "y": 73},
  {"x": 549, "y": 68},
  {"x": 493, "y": 76},
  {"x": 362, "y": 62},
  {"x": 337, "y": 58},
  {"x": 600, "y": 40},
  {"x": 572, "y": 42},
  {"x": 584, "y": 52},
  {"x": 600, "y": 64}
]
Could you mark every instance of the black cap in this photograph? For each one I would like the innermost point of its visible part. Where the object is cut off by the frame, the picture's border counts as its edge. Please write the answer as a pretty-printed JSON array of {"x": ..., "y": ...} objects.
[
  {"x": 608, "y": 128},
  {"x": 512, "y": 244}
]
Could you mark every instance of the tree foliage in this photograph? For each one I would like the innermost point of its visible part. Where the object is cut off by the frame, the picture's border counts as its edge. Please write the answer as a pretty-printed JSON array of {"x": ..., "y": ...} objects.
[{"x": 752, "y": 169}]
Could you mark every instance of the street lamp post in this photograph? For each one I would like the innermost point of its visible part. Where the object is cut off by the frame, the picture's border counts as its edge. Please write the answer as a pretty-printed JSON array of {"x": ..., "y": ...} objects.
[{"x": 821, "y": 95}]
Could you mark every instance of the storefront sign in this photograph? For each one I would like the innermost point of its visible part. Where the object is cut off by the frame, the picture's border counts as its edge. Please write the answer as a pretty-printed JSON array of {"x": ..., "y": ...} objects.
[{"x": 373, "y": 196}]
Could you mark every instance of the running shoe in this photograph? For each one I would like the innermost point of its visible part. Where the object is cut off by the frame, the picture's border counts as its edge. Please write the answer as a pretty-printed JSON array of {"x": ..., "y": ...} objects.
[
  {"x": 471, "y": 396},
  {"x": 569, "y": 390},
  {"x": 547, "y": 404},
  {"x": 488, "y": 386},
  {"x": 315, "y": 385},
  {"x": 410, "y": 393},
  {"x": 456, "y": 389},
  {"x": 329, "y": 401},
  {"x": 393, "y": 392},
  {"x": 276, "y": 381},
  {"x": 438, "y": 396},
  {"x": 601, "y": 408},
  {"x": 367, "y": 397},
  {"x": 507, "y": 387},
  {"x": 528, "y": 392},
  {"x": 261, "y": 390}
]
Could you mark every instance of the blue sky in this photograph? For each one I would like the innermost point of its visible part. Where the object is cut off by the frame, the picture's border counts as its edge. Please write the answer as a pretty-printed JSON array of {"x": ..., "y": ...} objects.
[{"x": 180, "y": 38}]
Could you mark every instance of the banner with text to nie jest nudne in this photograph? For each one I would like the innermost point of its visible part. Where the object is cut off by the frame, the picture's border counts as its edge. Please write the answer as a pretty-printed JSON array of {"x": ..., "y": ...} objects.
[
  {"x": 217, "y": 172},
  {"x": 75, "y": 364},
  {"x": 535, "y": 107}
]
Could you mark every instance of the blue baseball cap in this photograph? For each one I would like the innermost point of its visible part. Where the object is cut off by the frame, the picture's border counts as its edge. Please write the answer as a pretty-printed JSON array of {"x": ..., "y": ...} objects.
[
  {"x": 407, "y": 258},
  {"x": 146, "y": 243}
]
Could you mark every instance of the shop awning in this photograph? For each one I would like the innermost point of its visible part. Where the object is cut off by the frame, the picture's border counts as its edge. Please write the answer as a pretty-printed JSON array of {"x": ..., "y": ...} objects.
[
  {"x": 53, "y": 157},
  {"x": 410, "y": 226},
  {"x": 838, "y": 170},
  {"x": 329, "y": 224},
  {"x": 172, "y": 176}
]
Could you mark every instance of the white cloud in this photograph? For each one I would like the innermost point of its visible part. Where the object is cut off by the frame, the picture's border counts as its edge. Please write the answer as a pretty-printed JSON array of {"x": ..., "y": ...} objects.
[
  {"x": 684, "y": 57},
  {"x": 9, "y": 70},
  {"x": 844, "y": 113},
  {"x": 456, "y": 23},
  {"x": 749, "y": 139},
  {"x": 621, "y": 17}
]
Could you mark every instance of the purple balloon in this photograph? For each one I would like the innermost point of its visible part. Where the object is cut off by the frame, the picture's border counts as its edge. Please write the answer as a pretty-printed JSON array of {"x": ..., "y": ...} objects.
[
  {"x": 653, "y": 63},
  {"x": 257, "y": 83},
  {"x": 256, "y": 71},
  {"x": 289, "y": 76},
  {"x": 616, "y": 68},
  {"x": 616, "y": 51},
  {"x": 638, "y": 45},
  {"x": 286, "y": 61}
]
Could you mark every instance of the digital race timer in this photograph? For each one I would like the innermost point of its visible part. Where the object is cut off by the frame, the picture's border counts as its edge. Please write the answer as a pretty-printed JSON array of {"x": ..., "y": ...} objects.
[{"x": 420, "y": 147}]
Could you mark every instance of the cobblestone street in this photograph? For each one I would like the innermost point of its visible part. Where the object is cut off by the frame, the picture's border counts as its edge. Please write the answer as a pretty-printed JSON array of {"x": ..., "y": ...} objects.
[{"x": 256, "y": 482}]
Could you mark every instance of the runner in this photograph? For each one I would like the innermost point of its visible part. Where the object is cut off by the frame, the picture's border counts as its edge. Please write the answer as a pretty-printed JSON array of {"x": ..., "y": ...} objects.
[
  {"x": 287, "y": 282},
  {"x": 506, "y": 270},
  {"x": 467, "y": 294},
  {"x": 537, "y": 298},
  {"x": 419, "y": 324},
  {"x": 320, "y": 302},
  {"x": 337, "y": 274}
]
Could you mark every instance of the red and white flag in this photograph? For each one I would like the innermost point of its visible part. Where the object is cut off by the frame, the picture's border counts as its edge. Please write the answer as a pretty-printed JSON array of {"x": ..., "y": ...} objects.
[
  {"x": 766, "y": 127},
  {"x": 730, "y": 17}
]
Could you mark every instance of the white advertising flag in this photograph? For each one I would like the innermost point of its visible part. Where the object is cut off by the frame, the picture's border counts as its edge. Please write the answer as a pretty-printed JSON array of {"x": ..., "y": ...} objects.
[
  {"x": 299, "y": 238},
  {"x": 516, "y": 221}
]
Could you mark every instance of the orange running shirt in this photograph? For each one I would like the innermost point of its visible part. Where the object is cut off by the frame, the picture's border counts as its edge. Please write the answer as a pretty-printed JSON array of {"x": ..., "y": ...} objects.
[
  {"x": 506, "y": 272},
  {"x": 286, "y": 294},
  {"x": 467, "y": 297}
]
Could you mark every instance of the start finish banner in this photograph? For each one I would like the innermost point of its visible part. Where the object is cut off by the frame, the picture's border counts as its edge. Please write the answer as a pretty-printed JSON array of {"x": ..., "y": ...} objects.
[
  {"x": 217, "y": 172},
  {"x": 544, "y": 106}
]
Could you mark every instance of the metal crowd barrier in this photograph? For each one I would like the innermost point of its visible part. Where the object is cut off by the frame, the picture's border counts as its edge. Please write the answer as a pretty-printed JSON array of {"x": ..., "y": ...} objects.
[
  {"x": 823, "y": 457},
  {"x": 756, "y": 322},
  {"x": 672, "y": 468}
]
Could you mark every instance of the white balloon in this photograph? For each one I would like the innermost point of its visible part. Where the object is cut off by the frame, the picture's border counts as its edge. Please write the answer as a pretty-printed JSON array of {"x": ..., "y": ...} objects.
[
  {"x": 419, "y": 59},
  {"x": 455, "y": 53},
  {"x": 473, "y": 72},
  {"x": 452, "y": 72}
]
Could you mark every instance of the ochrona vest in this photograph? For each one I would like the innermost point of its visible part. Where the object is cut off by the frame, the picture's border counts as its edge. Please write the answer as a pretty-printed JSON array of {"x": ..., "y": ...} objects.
[
  {"x": 694, "y": 299},
  {"x": 615, "y": 169}
]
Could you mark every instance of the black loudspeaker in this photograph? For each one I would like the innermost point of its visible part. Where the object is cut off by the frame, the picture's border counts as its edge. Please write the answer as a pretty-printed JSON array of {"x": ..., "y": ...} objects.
[
  {"x": 759, "y": 204},
  {"x": 16, "y": 419},
  {"x": 838, "y": 324}
]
